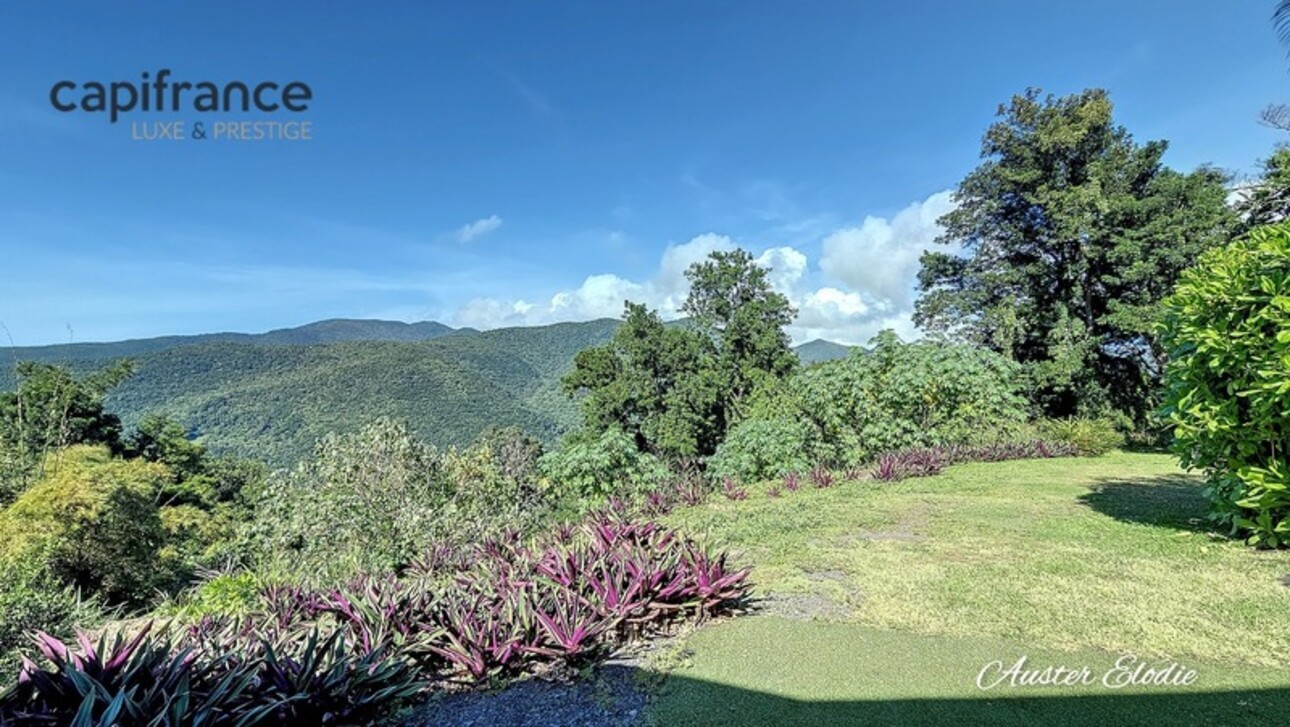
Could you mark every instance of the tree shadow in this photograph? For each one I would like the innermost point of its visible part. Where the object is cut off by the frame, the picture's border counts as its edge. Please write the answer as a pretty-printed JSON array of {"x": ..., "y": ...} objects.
[
  {"x": 1166, "y": 501},
  {"x": 693, "y": 702},
  {"x": 626, "y": 695}
]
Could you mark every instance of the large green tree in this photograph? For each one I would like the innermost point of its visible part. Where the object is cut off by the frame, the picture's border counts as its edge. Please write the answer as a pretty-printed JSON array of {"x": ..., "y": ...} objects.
[
  {"x": 1071, "y": 233},
  {"x": 732, "y": 301},
  {"x": 677, "y": 388}
]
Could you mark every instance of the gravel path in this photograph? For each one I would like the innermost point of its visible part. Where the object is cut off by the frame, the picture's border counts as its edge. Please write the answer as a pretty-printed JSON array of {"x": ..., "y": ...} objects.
[{"x": 612, "y": 696}]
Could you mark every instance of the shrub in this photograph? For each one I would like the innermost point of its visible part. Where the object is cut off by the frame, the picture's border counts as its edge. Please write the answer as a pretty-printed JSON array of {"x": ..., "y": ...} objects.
[
  {"x": 1091, "y": 437},
  {"x": 928, "y": 461},
  {"x": 821, "y": 477},
  {"x": 91, "y": 521},
  {"x": 366, "y": 501},
  {"x": 147, "y": 680},
  {"x": 591, "y": 467},
  {"x": 759, "y": 449},
  {"x": 733, "y": 491},
  {"x": 1227, "y": 330},
  {"x": 901, "y": 395},
  {"x": 31, "y": 599}
]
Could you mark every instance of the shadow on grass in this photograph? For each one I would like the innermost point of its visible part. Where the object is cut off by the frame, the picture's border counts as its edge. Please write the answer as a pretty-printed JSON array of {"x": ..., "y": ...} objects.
[
  {"x": 615, "y": 695},
  {"x": 692, "y": 702},
  {"x": 1167, "y": 501}
]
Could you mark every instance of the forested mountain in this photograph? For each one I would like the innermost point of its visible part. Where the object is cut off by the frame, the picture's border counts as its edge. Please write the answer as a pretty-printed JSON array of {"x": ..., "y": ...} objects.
[
  {"x": 821, "y": 350},
  {"x": 328, "y": 331},
  {"x": 272, "y": 395}
]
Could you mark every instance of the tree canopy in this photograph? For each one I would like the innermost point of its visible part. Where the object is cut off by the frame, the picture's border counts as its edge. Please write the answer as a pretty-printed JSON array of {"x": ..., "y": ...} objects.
[
  {"x": 1070, "y": 234},
  {"x": 675, "y": 389}
]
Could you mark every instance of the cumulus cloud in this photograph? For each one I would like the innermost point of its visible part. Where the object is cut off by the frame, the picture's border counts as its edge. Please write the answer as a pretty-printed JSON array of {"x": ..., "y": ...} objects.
[
  {"x": 880, "y": 257},
  {"x": 601, "y": 296},
  {"x": 478, "y": 228},
  {"x": 863, "y": 283}
]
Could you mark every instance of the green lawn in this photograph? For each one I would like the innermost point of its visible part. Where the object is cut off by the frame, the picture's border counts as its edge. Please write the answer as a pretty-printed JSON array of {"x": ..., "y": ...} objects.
[{"x": 880, "y": 599}]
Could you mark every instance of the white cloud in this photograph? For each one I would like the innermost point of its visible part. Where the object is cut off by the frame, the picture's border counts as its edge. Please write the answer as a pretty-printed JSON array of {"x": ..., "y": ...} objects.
[
  {"x": 478, "y": 228},
  {"x": 880, "y": 257},
  {"x": 863, "y": 284}
]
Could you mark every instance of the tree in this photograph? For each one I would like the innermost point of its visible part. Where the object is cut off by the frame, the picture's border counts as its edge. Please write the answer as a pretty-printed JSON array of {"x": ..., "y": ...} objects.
[
  {"x": 52, "y": 409},
  {"x": 92, "y": 521},
  {"x": 1071, "y": 234},
  {"x": 1228, "y": 333},
  {"x": 731, "y": 300},
  {"x": 1268, "y": 200},
  {"x": 675, "y": 389},
  {"x": 659, "y": 384}
]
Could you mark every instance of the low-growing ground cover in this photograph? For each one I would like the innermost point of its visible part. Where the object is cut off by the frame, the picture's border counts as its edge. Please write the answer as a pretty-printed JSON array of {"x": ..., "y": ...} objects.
[{"x": 885, "y": 597}]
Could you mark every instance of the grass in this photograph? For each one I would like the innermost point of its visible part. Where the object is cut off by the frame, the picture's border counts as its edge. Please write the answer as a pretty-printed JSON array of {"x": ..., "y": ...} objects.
[
  {"x": 1088, "y": 558},
  {"x": 770, "y": 670}
]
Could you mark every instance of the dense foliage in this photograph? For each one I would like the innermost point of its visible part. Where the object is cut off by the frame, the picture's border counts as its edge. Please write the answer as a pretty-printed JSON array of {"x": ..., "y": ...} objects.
[
  {"x": 274, "y": 402},
  {"x": 51, "y": 409},
  {"x": 1228, "y": 332},
  {"x": 502, "y": 607},
  {"x": 901, "y": 395},
  {"x": 91, "y": 521},
  {"x": 928, "y": 461},
  {"x": 676, "y": 389},
  {"x": 1072, "y": 234},
  {"x": 370, "y": 500},
  {"x": 590, "y": 467},
  {"x": 1089, "y": 436},
  {"x": 1267, "y": 200}
]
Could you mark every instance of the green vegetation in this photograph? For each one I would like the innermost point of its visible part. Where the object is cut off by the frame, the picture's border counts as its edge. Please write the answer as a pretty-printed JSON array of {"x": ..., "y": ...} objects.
[
  {"x": 1228, "y": 329},
  {"x": 1109, "y": 553},
  {"x": 1074, "y": 234},
  {"x": 676, "y": 389},
  {"x": 406, "y": 540},
  {"x": 1090, "y": 437},
  {"x": 886, "y": 598},
  {"x": 51, "y": 409},
  {"x": 769, "y": 670},
  {"x": 91, "y": 521},
  {"x": 901, "y": 395},
  {"x": 373, "y": 500}
]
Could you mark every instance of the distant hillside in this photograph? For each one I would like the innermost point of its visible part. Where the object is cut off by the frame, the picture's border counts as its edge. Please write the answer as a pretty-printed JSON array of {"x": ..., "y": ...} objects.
[
  {"x": 328, "y": 331},
  {"x": 821, "y": 350},
  {"x": 275, "y": 401},
  {"x": 272, "y": 395}
]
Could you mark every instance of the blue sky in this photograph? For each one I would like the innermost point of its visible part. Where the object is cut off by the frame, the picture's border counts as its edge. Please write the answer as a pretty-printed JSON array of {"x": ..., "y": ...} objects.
[{"x": 496, "y": 164}]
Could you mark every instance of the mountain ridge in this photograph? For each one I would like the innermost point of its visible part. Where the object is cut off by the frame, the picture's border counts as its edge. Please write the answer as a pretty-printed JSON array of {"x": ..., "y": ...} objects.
[{"x": 273, "y": 395}]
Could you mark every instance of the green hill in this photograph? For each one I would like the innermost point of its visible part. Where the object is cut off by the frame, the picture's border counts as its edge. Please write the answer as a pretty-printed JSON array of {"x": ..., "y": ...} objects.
[
  {"x": 821, "y": 350},
  {"x": 328, "y": 331},
  {"x": 274, "y": 400},
  {"x": 272, "y": 395}
]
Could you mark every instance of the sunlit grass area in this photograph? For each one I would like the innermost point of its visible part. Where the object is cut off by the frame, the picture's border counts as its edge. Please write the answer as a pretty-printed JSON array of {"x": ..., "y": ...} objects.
[
  {"x": 767, "y": 670},
  {"x": 904, "y": 591}
]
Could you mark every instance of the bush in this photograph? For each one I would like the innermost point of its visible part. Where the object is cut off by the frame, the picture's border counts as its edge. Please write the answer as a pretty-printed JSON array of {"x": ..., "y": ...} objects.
[
  {"x": 500, "y": 608},
  {"x": 901, "y": 395},
  {"x": 760, "y": 449},
  {"x": 91, "y": 521},
  {"x": 590, "y": 467},
  {"x": 929, "y": 461},
  {"x": 1091, "y": 437},
  {"x": 366, "y": 501},
  {"x": 31, "y": 599},
  {"x": 1227, "y": 330}
]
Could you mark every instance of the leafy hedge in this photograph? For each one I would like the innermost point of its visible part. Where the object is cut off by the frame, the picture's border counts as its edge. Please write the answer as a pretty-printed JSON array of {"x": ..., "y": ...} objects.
[{"x": 1227, "y": 329}]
